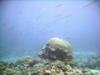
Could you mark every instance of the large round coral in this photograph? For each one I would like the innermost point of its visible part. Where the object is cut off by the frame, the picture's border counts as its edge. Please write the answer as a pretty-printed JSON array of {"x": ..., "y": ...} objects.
[
  {"x": 57, "y": 49},
  {"x": 59, "y": 43}
]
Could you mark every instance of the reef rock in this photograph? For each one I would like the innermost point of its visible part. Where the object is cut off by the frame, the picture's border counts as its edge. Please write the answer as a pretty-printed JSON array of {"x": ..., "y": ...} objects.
[
  {"x": 57, "y": 49},
  {"x": 26, "y": 61}
]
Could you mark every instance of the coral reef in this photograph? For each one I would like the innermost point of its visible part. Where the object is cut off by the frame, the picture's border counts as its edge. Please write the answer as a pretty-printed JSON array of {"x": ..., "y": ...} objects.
[
  {"x": 57, "y": 49},
  {"x": 93, "y": 62},
  {"x": 3, "y": 66},
  {"x": 27, "y": 61},
  {"x": 56, "y": 58}
]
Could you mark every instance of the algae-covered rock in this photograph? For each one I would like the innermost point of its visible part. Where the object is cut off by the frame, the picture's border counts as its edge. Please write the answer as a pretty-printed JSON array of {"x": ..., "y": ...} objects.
[
  {"x": 27, "y": 61},
  {"x": 57, "y": 49},
  {"x": 37, "y": 68},
  {"x": 94, "y": 62},
  {"x": 3, "y": 66},
  {"x": 10, "y": 71}
]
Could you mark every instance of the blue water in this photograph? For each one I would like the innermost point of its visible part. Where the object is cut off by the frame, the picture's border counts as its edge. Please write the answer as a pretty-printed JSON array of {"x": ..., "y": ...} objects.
[{"x": 27, "y": 25}]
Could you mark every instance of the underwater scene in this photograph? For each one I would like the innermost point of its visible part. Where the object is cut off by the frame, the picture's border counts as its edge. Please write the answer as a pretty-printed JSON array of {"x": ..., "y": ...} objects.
[{"x": 49, "y": 37}]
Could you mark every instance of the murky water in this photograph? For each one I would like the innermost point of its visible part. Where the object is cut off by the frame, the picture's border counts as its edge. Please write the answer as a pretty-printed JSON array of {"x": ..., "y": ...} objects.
[{"x": 26, "y": 26}]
